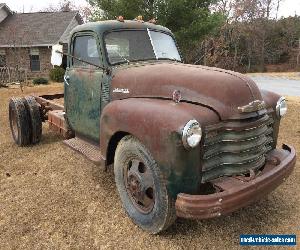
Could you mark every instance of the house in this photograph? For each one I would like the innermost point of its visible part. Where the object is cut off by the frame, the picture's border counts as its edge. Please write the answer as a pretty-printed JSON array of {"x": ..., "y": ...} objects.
[{"x": 26, "y": 39}]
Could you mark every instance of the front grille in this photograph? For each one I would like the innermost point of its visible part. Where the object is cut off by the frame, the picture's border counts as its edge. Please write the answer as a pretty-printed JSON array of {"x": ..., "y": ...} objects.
[{"x": 235, "y": 147}]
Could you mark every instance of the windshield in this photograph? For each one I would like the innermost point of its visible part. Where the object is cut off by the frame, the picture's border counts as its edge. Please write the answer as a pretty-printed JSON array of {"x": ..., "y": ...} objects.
[{"x": 138, "y": 45}]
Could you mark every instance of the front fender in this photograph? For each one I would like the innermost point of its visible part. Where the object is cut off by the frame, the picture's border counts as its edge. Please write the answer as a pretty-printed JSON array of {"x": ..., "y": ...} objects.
[
  {"x": 271, "y": 100},
  {"x": 158, "y": 125}
]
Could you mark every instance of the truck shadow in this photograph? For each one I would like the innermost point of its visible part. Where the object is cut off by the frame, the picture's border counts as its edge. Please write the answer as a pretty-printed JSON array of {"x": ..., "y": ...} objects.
[
  {"x": 50, "y": 138},
  {"x": 259, "y": 218}
]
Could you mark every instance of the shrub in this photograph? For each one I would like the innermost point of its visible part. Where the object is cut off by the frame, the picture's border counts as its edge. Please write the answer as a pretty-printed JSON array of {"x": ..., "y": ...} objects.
[
  {"x": 57, "y": 74},
  {"x": 40, "y": 80}
]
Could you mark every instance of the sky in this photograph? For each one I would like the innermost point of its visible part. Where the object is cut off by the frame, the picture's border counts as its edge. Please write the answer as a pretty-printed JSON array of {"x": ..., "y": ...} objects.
[
  {"x": 35, "y": 5},
  {"x": 288, "y": 7}
]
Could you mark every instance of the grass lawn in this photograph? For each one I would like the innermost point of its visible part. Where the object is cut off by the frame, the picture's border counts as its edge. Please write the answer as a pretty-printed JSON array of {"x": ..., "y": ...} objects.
[{"x": 53, "y": 198}]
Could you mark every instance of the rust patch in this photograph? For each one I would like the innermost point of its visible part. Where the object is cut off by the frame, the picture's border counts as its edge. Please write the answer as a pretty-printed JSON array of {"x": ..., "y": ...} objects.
[
  {"x": 220, "y": 90},
  {"x": 57, "y": 123}
]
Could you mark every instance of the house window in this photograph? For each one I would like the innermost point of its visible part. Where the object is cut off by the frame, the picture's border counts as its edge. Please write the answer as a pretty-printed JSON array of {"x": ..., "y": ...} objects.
[
  {"x": 35, "y": 64},
  {"x": 2, "y": 58}
]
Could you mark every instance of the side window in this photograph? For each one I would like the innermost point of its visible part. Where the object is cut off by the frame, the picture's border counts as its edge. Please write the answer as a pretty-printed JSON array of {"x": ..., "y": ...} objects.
[{"x": 85, "y": 48}]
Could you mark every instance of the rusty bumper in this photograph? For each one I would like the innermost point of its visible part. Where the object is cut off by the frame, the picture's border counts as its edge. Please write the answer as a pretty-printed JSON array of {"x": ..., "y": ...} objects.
[{"x": 236, "y": 192}]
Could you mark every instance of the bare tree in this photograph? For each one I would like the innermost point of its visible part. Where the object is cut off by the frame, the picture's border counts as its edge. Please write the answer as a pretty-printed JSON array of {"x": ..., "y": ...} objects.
[
  {"x": 225, "y": 7},
  {"x": 68, "y": 5},
  {"x": 63, "y": 5},
  {"x": 277, "y": 7},
  {"x": 252, "y": 9},
  {"x": 17, "y": 39}
]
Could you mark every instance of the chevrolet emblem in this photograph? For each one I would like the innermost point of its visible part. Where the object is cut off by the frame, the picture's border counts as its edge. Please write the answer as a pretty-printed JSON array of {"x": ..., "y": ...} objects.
[{"x": 252, "y": 107}]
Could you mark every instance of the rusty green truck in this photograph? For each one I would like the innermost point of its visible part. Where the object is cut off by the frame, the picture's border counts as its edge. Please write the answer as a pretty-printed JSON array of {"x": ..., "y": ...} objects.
[{"x": 185, "y": 140}]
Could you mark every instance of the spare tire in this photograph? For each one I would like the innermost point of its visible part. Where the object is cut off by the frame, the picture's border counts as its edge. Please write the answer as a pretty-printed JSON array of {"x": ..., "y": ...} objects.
[
  {"x": 35, "y": 119},
  {"x": 19, "y": 122}
]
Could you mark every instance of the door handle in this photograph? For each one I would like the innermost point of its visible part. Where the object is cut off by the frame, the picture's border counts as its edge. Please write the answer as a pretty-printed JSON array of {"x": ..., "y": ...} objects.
[{"x": 67, "y": 78}]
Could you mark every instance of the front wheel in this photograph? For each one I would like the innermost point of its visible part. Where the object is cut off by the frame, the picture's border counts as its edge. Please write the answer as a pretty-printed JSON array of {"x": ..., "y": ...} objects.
[{"x": 142, "y": 187}]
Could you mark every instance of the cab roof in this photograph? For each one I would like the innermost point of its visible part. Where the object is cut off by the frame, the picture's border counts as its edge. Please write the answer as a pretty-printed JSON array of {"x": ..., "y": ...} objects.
[{"x": 106, "y": 26}]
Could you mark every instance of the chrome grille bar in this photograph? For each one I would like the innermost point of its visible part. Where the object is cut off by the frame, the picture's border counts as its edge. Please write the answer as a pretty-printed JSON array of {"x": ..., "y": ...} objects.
[{"x": 235, "y": 147}]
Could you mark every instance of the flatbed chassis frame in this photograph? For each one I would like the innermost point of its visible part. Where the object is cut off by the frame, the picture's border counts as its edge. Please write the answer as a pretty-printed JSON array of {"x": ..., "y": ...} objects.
[{"x": 54, "y": 113}]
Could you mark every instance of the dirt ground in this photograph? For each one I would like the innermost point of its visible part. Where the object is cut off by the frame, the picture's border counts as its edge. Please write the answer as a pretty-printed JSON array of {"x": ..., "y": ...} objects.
[{"x": 53, "y": 198}]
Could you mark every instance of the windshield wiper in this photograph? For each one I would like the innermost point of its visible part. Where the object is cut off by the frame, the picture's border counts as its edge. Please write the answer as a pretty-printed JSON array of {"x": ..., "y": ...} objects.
[
  {"x": 176, "y": 60},
  {"x": 167, "y": 58},
  {"x": 125, "y": 59}
]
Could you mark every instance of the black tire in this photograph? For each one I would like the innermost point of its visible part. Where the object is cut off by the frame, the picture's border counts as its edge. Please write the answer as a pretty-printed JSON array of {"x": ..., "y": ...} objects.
[
  {"x": 155, "y": 212},
  {"x": 19, "y": 122},
  {"x": 35, "y": 120}
]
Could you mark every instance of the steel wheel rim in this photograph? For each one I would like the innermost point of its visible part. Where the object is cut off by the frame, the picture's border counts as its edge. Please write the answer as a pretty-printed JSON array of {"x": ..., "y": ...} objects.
[{"x": 139, "y": 183}]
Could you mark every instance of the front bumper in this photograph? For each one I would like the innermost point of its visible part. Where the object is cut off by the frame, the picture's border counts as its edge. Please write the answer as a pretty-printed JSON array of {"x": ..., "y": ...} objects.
[{"x": 236, "y": 192}]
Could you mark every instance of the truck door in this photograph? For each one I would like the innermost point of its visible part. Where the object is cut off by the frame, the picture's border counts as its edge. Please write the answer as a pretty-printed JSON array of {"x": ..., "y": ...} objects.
[{"x": 83, "y": 87}]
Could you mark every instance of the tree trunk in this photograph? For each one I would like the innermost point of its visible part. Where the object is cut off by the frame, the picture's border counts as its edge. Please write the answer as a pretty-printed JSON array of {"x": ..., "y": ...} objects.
[
  {"x": 298, "y": 56},
  {"x": 235, "y": 56}
]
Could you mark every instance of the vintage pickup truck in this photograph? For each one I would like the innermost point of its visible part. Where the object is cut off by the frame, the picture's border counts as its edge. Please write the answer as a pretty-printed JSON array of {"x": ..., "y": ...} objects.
[{"x": 185, "y": 140}]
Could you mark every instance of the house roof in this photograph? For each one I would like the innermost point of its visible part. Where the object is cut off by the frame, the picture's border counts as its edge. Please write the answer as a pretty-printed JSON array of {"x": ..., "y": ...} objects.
[
  {"x": 3, "y": 5},
  {"x": 37, "y": 29}
]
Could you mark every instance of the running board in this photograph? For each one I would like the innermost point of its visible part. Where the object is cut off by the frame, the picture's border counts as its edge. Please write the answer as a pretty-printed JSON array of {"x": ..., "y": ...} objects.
[{"x": 90, "y": 151}]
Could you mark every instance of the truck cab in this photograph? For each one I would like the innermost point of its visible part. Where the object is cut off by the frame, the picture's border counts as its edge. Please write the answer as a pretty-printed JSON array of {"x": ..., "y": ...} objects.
[
  {"x": 185, "y": 140},
  {"x": 113, "y": 45}
]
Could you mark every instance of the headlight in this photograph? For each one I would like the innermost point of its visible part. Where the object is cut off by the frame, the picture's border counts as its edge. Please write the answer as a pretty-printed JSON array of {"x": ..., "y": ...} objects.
[
  {"x": 191, "y": 134},
  {"x": 281, "y": 107}
]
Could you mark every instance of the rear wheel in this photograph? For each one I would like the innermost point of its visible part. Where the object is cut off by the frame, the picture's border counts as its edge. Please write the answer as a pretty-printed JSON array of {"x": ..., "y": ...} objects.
[
  {"x": 35, "y": 119},
  {"x": 19, "y": 122},
  {"x": 141, "y": 187}
]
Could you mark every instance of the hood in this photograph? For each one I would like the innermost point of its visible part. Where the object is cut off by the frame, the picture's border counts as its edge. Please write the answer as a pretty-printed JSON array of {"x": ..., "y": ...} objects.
[{"x": 220, "y": 90}]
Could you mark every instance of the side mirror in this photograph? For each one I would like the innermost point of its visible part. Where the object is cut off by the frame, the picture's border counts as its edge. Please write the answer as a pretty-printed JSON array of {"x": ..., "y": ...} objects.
[{"x": 57, "y": 55}]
